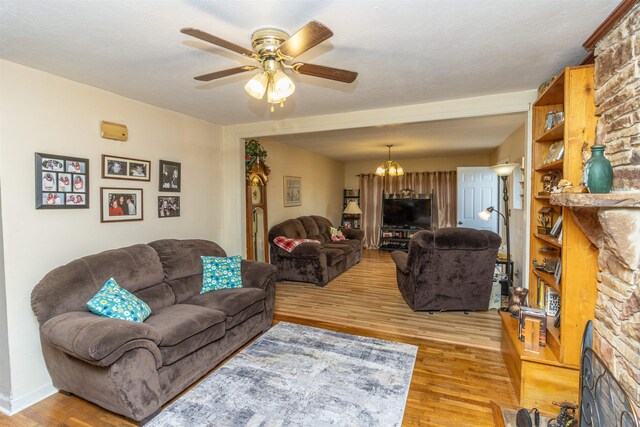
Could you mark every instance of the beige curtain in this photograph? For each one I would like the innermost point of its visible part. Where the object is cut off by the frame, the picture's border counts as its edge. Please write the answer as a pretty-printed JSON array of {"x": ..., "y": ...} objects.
[
  {"x": 443, "y": 184},
  {"x": 371, "y": 206}
]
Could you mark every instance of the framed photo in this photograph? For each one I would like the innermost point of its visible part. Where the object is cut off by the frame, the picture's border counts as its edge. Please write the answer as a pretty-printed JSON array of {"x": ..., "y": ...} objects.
[
  {"x": 557, "y": 275},
  {"x": 168, "y": 206},
  {"x": 170, "y": 176},
  {"x": 122, "y": 168},
  {"x": 292, "y": 191},
  {"x": 62, "y": 182},
  {"x": 120, "y": 204},
  {"x": 556, "y": 227}
]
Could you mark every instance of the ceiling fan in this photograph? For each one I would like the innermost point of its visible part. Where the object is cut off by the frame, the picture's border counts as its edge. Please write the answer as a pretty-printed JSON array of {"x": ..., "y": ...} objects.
[{"x": 274, "y": 50}]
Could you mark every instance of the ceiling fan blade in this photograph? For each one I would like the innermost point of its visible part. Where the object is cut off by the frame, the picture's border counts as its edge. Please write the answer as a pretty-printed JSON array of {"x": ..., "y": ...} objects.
[
  {"x": 307, "y": 37},
  {"x": 224, "y": 73},
  {"x": 325, "y": 72},
  {"x": 193, "y": 32}
]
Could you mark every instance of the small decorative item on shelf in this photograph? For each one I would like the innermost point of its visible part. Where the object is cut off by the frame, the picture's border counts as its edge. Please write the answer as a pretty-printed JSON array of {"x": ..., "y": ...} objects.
[
  {"x": 549, "y": 181},
  {"x": 555, "y": 154},
  {"x": 545, "y": 219},
  {"x": 253, "y": 152},
  {"x": 518, "y": 299},
  {"x": 536, "y": 314},
  {"x": 598, "y": 173},
  {"x": 554, "y": 118},
  {"x": 407, "y": 193}
]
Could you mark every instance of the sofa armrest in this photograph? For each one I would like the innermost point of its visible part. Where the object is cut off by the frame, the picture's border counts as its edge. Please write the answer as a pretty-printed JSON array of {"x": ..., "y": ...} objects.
[
  {"x": 99, "y": 340},
  {"x": 352, "y": 233},
  {"x": 400, "y": 258},
  {"x": 304, "y": 250},
  {"x": 256, "y": 274}
]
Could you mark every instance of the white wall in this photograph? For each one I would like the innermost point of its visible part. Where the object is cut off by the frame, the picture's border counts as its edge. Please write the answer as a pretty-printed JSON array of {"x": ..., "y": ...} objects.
[
  {"x": 5, "y": 369},
  {"x": 322, "y": 182},
  {"x": 424, "y": 164},
  {"x": 44, "y": 113},
  {"x": 513, "y": 149}
]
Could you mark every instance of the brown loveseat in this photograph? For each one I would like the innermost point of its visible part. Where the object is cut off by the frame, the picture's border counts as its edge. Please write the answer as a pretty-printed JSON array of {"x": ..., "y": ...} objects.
[
  {"x": 133, "y": 368},
  {"x": 312, "y": 262},
  {"x": 448, "y": 269}
]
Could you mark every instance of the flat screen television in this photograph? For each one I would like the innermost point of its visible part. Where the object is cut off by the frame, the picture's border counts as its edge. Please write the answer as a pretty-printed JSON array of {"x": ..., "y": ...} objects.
[{"x": 407, "y": 213}]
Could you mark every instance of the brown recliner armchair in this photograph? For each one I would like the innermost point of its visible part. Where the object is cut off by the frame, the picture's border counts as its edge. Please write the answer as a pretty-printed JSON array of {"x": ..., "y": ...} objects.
[{"x": 449, "y": 269}]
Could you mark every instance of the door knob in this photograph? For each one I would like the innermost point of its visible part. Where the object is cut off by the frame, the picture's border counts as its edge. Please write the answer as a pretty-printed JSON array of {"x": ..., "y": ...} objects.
[{"x": 459, "y": 222}]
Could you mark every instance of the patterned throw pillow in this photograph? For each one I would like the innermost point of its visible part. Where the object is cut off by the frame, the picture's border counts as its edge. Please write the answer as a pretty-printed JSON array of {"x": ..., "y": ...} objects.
[
  {"x": 337, "y": 235},
  {"x": 220, "y": 273},
  {"x": 118, "y": 303}
]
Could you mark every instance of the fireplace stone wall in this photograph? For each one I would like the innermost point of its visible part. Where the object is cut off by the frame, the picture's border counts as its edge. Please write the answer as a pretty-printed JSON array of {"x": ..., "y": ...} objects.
[{"x": 617, "y": 97}]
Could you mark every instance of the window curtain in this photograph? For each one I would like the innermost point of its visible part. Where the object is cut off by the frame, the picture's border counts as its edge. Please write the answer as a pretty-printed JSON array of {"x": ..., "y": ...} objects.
[{"x": 443, "y": 184}]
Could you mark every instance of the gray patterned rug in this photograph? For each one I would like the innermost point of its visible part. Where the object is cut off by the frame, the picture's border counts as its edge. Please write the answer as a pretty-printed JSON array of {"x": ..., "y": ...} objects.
[{"x": 296, "y": 375}]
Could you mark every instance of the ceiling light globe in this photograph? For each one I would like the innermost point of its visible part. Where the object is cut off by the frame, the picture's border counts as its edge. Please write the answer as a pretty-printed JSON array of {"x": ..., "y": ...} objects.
[
  {"x": 400, "y": 171},
  {"x": 380, "y": 171},
  {"x": 257, "y": 86},
  {"x": 392, "y": 171},
  {"x": 283, "y": 85}
]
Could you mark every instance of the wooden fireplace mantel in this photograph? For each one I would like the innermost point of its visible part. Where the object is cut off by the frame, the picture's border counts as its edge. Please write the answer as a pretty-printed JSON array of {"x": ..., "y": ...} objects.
[{"x": 584, "y": 208}]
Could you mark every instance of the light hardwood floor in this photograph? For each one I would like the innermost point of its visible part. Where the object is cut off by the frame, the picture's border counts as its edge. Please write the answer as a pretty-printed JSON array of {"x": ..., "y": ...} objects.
[
  {"x": 367, "y": 297},
  {"x": 455, "y": 378}
]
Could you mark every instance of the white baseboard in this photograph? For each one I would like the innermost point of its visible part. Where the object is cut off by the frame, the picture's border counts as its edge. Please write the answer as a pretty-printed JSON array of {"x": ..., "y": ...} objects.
[{"x": 11, "y": 406}]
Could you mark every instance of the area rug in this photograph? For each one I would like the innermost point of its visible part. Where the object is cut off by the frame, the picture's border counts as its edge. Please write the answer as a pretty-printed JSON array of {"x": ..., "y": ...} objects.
[{"x": 295, "y": 375}]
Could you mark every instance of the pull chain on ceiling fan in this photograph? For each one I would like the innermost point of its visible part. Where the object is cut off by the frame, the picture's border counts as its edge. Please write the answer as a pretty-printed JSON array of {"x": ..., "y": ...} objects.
[{"x": 274, "y": 50}]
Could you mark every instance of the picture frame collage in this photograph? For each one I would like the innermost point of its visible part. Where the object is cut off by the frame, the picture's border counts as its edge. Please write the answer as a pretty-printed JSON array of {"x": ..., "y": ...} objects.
[{"x": 62, "y": 182}]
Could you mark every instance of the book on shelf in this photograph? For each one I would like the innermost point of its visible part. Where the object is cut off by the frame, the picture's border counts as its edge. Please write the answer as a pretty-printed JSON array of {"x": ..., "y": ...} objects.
[
  {"x": 551, "y": 301},
  {"x": 537, "y": 314}
]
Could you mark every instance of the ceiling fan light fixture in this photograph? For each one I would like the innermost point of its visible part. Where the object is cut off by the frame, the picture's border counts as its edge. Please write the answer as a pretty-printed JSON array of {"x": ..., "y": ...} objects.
[
  {"x": 257, "y": 86},
  {"x": 283, "y": 85}
]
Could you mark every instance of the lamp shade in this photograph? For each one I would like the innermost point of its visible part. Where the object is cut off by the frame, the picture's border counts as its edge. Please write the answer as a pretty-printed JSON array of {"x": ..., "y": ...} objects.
[
  {"x": 283, "y": 85},
  {"x": 257, "y": 86},
  {"x": 505, "y": 169},
  {"x": 485, "y": 215},
  {"x": 352, "y": 208}
]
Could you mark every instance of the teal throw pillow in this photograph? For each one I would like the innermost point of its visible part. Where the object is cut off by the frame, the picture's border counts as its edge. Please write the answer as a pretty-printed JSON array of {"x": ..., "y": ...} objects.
[
  {"x": 220, "y": 273},
  {"x": 118, "y": 303}
]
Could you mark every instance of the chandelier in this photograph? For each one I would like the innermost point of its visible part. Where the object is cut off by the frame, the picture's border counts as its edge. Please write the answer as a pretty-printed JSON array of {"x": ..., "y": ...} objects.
[
  {"x": 390, "y": 167},
  {"x": 272, "y": 80}
]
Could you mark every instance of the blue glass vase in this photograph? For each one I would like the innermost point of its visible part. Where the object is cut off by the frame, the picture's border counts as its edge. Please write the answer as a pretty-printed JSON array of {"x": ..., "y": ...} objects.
[{"x": 598, "y": 171}]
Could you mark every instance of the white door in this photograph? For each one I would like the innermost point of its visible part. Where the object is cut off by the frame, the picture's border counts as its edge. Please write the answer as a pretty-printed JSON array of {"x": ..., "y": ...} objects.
[{"x": 477, "y": 190}]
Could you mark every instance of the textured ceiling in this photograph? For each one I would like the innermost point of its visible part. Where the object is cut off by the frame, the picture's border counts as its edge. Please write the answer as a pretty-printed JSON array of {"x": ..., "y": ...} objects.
[
  {"x": 407, "y": 52},
  {"x": 426, "y": 139}
]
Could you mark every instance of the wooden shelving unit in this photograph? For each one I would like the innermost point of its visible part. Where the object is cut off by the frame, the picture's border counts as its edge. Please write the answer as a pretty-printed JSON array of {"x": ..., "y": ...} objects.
[
  {"x": 554, "y": 373},
  {"x": 349, "y": 195}
]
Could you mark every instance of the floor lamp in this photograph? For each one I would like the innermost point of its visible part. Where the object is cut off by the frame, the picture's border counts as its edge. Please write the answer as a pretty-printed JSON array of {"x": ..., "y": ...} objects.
[{"x": 503, "y": 171}]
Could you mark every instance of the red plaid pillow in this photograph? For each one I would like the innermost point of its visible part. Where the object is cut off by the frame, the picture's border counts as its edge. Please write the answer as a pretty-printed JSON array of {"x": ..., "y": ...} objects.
[{"x": 290, "y": 244}]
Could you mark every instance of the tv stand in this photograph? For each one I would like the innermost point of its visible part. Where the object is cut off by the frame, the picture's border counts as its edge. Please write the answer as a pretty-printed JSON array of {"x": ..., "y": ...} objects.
[{"x": 397, "y": 238}]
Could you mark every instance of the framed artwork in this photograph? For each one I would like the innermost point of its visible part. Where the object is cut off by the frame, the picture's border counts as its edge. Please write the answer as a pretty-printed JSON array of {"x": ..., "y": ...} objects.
[
  {"x": 168, "y": 206},
  {"x": 62, "y": 182},
  {"x": 292, "y": 191},
  {"x": 170, "y": 176},
  {"x": 122, "y": 168},
  {"x": 120, "y": 204}
]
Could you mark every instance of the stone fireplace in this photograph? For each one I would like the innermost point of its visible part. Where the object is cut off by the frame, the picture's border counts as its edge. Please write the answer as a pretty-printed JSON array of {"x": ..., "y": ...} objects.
[{"x": 612, "y": 221}]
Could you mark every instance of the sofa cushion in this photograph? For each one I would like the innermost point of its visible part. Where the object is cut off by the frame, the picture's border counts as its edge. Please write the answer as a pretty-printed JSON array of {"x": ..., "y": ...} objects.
[
  {"x": 237, "y": 304},
  {"x": 157, "y": 296},
  {"x": 181, "y": 258},
  {"x": 118, "y": 303},
  {"x": 324, "y": 226},
  {"x": 220, "y": 273},
  {"x": 69, "y": 287},
  {"x": 185, "y": 329},
  {"x": 334, "y": 256},
  {"x": 355, "y": 244},
  {"x": 178, "y": 322},
  {"x": 346, "y": 249},
  {"x": 309, "y": 225}
]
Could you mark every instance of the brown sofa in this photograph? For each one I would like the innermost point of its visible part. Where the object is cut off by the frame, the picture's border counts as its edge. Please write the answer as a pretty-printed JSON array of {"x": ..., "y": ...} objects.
[
  {"x": 312, "y": 262},
  {"x": 134, "y": 368},
  {"x": 448, "y": 269}
]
